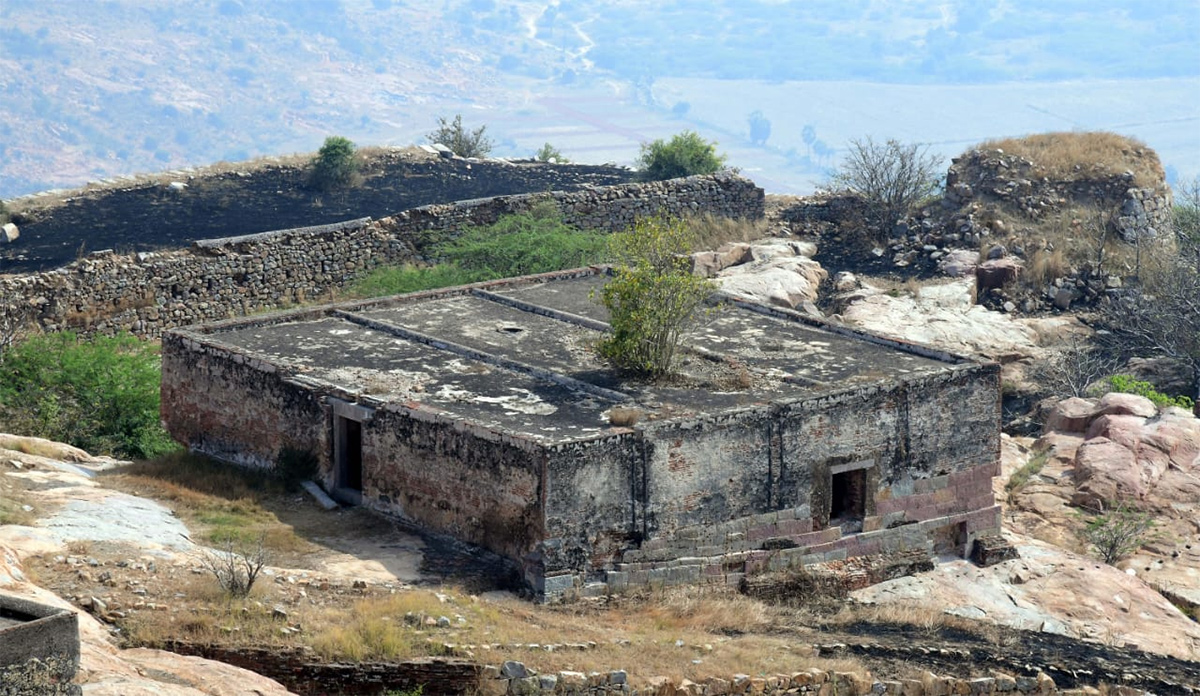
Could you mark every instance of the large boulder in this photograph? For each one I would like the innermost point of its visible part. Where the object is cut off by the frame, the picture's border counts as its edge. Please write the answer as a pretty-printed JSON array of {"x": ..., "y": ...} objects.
[
  {"x": 710, "y": 263},
  {"x": 1105, "y": 472},
  {"x": 1126, "y": 404},
  {"x": 783, "y": 282},
  {"x": 1071, "y": 415},
  {"x": 959, "y": 263},
  {"x": 9, "y": 233},
  {"x": 996, "y": 274}
]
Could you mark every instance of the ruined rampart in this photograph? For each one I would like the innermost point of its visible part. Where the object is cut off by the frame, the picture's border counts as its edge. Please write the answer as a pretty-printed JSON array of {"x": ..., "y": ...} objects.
[
  {"x": 147, "y": 292},
  {"x": 174, "y": 209}
]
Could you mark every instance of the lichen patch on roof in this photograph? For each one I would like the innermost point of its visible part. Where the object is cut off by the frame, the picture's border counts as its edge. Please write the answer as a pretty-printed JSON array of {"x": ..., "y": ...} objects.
[{"x": 518, "y": 356}]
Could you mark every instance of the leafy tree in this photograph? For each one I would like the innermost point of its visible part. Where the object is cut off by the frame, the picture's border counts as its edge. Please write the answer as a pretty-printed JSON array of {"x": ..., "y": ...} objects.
[
  {"x": 892, "y": 177},
  {"x": 685, "y": 154},
  {"x": 653, "y": 297},
  {"x": 1117, "y": 533},
  {"x": 335, "y": 165},
  {"x": 548, "y": 153},
  {"x": 760, "y": 128},
  {"x": 460, "y": 140}
]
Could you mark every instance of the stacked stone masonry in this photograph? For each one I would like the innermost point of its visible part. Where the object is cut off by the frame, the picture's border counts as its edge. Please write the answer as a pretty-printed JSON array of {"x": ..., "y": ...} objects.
[
  {"x": 514, "y": 679},
  {"x": 148, "y": 292},
  {"x": 991, "y": 175}
]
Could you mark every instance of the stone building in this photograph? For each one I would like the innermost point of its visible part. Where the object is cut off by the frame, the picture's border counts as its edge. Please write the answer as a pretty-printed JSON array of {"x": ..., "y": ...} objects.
[{"x": 481, "y": 412}]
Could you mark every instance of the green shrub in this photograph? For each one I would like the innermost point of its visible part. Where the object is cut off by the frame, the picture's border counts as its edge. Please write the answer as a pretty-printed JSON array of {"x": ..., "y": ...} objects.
[
  {"x": 335, "y": 165},
  {"x": 397, "y": 280},
  {"x": 549, "y": 152},
  {"x": 1128, "y": 385},
  {"x": 685, "y": 154},
  {"x": 460, "y": 140},
  {"x": 536, "y": 241},
  {"x": 1115, "y": 534},
  {"x": 100, "y": 394},
  {"x": 4, "y": 217},
  {"x": 653, "y": 297}
]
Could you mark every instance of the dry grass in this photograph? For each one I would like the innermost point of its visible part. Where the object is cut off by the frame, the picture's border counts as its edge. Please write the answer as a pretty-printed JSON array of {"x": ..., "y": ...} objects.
[
  {"x": 714, "y": 230},
  {"x": 217, "y": 501},
  {"x": 1069, "y": 156},
  {"x": 12, "y": 503},
  {"x": 1046, "y": 266},
  {"x": 685, "y": 633}
]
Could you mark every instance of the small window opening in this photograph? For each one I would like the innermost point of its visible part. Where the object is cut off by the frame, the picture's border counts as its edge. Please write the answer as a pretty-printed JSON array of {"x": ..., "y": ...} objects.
[{"x": 848, "y": 499}]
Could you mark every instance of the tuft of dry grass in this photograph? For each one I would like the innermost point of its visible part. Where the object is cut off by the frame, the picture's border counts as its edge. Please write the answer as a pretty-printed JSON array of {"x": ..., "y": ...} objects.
[
  {"x": 1046, "y": 266},
  {"x": 1071, "y": 156},
  {"x": 711, "y": 231},
  {"x": 624, "y": 417}
]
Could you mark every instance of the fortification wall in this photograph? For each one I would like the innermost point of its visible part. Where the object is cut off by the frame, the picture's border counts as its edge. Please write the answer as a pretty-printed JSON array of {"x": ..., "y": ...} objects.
[
  {"x": 179, "y": 208},
  {"x": 147, "y": 292}
]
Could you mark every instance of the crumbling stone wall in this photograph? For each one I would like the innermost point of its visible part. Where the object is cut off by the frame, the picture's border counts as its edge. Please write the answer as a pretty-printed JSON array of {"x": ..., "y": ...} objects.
[
  {"x": 1136, "y": 213},
  {"x": 145, "y": 293},
  {"x": 39, "y": 648},
  {"x": 165, "y": 213}
]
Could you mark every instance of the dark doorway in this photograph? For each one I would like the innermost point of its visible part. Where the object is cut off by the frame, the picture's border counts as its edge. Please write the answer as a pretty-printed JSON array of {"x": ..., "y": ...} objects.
[
  {"x": 848, "y": 497},
  {"x": 347, "y": 438}
]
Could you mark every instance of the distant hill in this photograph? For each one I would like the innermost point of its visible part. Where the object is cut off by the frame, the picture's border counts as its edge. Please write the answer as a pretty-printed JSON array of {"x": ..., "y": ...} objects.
[{"x": 93, "y": 90}]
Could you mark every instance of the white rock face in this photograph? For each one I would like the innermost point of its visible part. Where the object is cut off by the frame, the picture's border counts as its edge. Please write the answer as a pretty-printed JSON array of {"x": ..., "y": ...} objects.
[
  {"x": 780, "y": 272},
  {"x": 9, "y": 233},
  {"x": 945, "y": 316}
]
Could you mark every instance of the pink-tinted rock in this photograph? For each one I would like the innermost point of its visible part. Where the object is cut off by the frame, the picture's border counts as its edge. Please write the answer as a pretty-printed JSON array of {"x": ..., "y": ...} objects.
[
  {"x": 710, "y": 263},
  {"x": 1126, "y": 404},
  {"x": 1071, "y": 415},
  {"x": 996, "y": 273},
  {"x": 959, "y": 263},
  {"x": 1105, "y": 472},
  {"x": 1059, "y": 445},
  {"x": 1178, "y": 436},
  {"x": 1122, "y": 429}
]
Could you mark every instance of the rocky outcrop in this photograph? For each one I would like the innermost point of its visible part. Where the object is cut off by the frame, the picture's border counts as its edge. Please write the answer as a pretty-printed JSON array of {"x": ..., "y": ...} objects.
[
  {"x": 992, "y": 176},
  {"x": 1130, "y": 450},
  {"x": 780, "y": 272}
]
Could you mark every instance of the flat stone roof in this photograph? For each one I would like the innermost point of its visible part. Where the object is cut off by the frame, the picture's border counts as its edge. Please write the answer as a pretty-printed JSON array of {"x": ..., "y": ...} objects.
[{"x": 517, "y": 355}]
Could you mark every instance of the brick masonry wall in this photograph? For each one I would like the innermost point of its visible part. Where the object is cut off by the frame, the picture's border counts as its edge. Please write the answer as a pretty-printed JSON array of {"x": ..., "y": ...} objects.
[{"x": 146, "y": 293}]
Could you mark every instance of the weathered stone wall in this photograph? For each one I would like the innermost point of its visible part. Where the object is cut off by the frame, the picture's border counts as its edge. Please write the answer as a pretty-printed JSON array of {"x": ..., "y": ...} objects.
[
  {"x": 991, "y": 175},
  {"x": 714, "y": 498},
  {"x": 465, "y": 481},
  {"x": 146, "y": 293},
  {"x": 39, "y": 648},
  {"x": 213, "y": 396}
]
